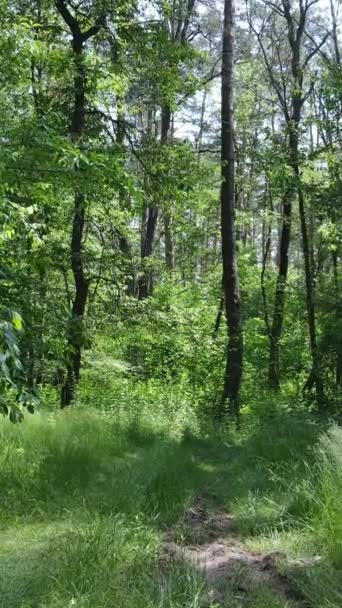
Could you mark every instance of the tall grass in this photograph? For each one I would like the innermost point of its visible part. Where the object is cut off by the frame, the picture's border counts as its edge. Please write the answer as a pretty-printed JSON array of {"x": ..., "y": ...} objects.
[
  {"x": 327, "y": 519},
  {"x": 87, "y": 493},
  {"x": 84, "y": 457},
  {"x": 84, "y": 497}
]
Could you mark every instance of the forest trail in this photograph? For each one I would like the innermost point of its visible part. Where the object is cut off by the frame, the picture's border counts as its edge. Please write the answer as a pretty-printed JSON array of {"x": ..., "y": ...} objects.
[
  {"x": 213, "y": 545},
  {"x": 97, "y": 514}
]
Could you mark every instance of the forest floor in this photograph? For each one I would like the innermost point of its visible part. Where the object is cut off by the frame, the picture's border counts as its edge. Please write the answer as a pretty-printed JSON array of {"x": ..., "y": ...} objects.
[
  {"x": 99, "y": 514},
  {"x": 214, "y": 547}
]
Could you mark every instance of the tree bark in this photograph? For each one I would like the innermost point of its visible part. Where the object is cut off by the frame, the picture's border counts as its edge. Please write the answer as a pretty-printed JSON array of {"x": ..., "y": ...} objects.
[
  {"x": 146, "y": 280},
  {"x": 75, "y": 330},
  {"x": 334, "y": 33},
  {"x": 150, "y": 220},
  {"x": 168, "y": 237},
  {"x": 338, "y": 368},
  {"x": 310, "y": 302},
  {"x": 169, "y": 252},
  {"x": 233, "y": 371},
  {"x": 77, "y": 126},
  {"x": 295, "y": 24},
  {"x": 124, "y": 243},
  {"x": 279, "y": 302}
]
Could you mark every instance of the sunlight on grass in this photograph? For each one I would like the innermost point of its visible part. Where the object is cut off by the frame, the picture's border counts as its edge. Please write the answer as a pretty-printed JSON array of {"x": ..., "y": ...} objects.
[{"x": 86, "y": 498}]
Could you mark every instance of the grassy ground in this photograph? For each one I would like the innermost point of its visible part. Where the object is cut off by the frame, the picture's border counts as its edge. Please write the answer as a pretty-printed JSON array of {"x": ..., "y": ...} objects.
[{"x": 86, "y": 497}]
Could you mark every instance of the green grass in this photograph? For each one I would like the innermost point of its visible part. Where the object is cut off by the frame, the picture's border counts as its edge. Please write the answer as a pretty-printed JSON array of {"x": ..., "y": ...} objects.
[{"x": 86, "y": 495}]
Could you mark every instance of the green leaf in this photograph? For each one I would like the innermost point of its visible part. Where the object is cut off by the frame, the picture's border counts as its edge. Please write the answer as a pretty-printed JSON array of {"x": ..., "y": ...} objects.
[{"x": 17, "y": 321}]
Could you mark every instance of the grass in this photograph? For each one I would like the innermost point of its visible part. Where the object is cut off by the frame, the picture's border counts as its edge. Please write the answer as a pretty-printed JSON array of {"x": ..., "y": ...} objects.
[{"x": 86, "y": 495}]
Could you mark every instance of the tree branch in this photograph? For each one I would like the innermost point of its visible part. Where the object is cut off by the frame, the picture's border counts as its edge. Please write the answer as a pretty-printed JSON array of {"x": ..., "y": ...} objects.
[
  {"x": 69, "y": 19},
  {"x": 316, "y": 49}
]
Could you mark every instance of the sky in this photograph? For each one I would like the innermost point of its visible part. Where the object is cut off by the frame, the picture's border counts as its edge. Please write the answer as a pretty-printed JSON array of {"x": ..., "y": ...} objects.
[{"x": 184, "y": 124}]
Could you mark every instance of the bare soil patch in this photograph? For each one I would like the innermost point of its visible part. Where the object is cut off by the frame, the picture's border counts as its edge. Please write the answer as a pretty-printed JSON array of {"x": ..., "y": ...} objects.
[{"x": 212, "y": 544}]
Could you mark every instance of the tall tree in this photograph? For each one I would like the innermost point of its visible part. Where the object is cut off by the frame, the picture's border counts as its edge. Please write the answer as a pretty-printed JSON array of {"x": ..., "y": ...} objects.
[
  {"x": 77, "y": 131},
  {"x": 233, "y": 372},
  {"x": 287, "y": 77},
  {"x": 174, "y": 31}
]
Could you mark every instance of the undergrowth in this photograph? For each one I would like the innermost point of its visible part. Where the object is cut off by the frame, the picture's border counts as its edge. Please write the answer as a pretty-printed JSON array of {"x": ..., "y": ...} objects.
[{"x": 87, "y": 493}]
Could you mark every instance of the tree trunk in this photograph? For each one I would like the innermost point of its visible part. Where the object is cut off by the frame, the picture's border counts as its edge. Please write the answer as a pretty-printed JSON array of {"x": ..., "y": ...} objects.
[
  {"x": 233, "y": 372},
  {"x": 169, "y": 253},
  {"x": 334, "y": 33},
  {"x": 279, "y": 302},
  {"x": 76, "y": 330},
  {"x": 310, "y": 302},
  {"x": 150, "y": 219},
  {"x": 201, "y": 124},
  {"x": 146, "y": 280},
  {"x": 338, "y": 369},
  {"x": 315, "y": 378},
  {"x": 295, "y": 31},
  {"x": 124, "y": 243}
]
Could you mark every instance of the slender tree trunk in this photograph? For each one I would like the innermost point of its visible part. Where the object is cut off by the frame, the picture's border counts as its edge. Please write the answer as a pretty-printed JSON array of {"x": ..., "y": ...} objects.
[
  {"x": 146, "y": 281},
  {"x": 334, "y": 33},
  {"x": 199, "y": 137},
  {"x": 148, "y": 228},
  {"x": 150, "y": 219},
  {"x": 291, "y": 96},
  {"x": 266, "y": 251},
  {"x": 338, "y": 368},
  {"x": 279, "y": 302},
  {"x": 178, "y": 34},
  {"x": 315, "y": 378},
  {"x": 124, "y": 243},
  {"x": 233, "y": 372},
  {"x": 76, "y": 329},
  {"x": 310, "y": 302},
  {"x": 315, "y": 375},
  {"x": 292, "y": 120},
  {"x": 169, "y": 251}
]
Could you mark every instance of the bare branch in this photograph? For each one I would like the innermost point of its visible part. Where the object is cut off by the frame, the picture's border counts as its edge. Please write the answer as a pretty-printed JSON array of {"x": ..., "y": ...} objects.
[
  {"x": 282, "y": 100},
  {"x": 275, "y": 7},
  {"x": 74, "y": 25},
  {"x": 316, "y": 49},
  {"x": 69, "y": 19}
]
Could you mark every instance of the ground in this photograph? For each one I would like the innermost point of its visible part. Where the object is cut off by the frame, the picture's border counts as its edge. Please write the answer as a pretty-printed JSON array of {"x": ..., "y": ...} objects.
[
  {"x": 226, "y": 562},
  {"x": 97, "y": 513}
]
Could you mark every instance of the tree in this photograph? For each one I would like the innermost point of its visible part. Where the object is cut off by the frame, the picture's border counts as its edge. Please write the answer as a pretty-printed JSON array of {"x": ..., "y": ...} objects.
[
  {"x": 288, "y": 79},
  {"x": 77, "y": 131},
  {"x": 231, "y": 288}
]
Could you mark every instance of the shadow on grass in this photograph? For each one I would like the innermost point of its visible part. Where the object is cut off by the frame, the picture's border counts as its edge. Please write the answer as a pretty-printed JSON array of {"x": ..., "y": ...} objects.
[
  {"x": 91, "y": 477},
  {"x": 263, "y": 476},
  {"x": 260, "y": 474}
]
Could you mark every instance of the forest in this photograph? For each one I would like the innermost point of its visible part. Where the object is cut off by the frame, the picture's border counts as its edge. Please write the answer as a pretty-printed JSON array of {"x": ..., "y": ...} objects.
[{"x": 170, "y": 304}]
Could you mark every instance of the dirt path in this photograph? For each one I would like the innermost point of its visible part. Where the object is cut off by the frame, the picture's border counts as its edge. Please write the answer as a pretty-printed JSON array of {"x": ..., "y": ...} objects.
[{"x": 213, "y": 545}]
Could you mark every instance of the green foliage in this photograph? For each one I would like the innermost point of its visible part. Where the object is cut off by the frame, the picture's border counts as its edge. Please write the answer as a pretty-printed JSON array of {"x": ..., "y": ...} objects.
[
  {"x": 86, "y": 494},
  {"x": 13, "y": 390}
]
